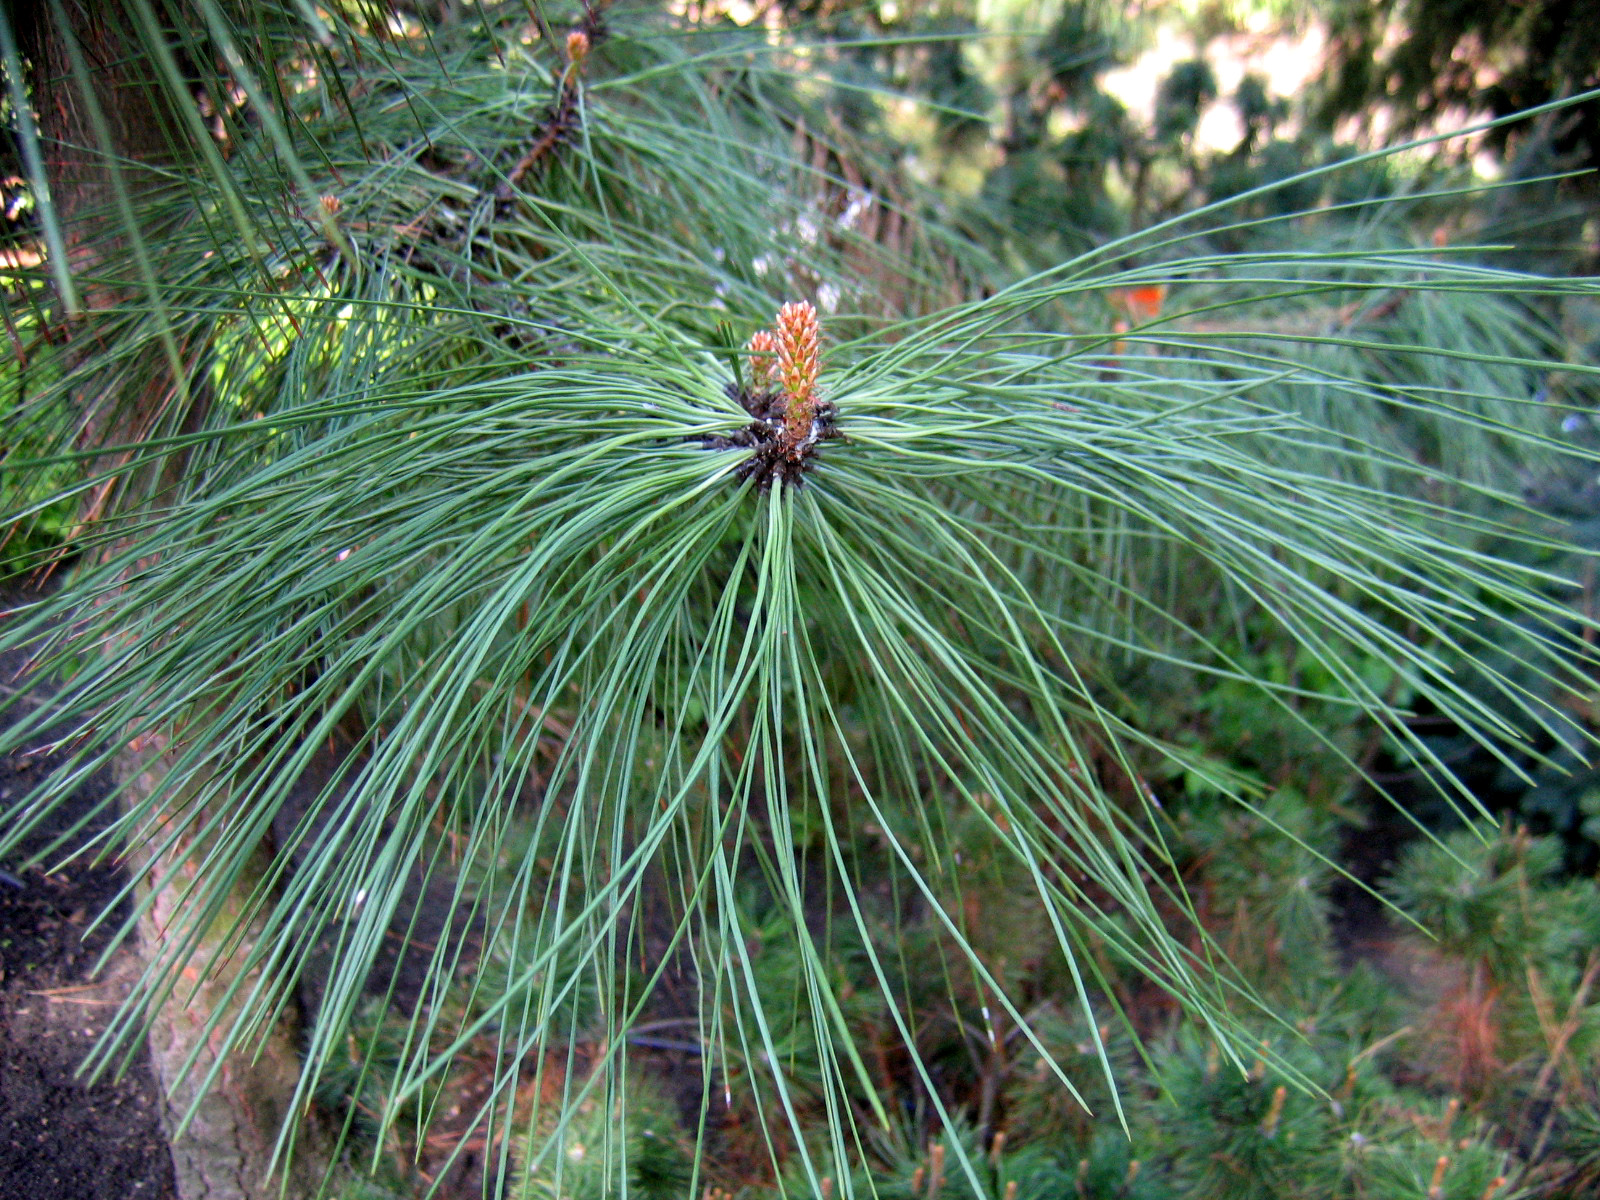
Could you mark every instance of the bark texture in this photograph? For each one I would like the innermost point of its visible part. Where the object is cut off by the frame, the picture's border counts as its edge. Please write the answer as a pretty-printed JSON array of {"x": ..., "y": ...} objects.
[{"x": 226, "y": 1150}]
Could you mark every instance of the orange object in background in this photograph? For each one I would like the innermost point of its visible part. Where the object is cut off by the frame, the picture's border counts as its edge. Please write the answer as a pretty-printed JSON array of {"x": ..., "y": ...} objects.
[{"x": 1141, "y": 303}]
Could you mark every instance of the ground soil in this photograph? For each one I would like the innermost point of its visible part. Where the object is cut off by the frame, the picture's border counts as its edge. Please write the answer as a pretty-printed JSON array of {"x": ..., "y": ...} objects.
[{"x": 63, "y": 1136}]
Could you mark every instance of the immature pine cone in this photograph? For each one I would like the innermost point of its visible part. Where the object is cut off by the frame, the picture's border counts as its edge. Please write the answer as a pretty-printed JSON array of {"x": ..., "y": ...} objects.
[
  {"x": 798, "y": 364},
  {"x": 763, "y": 348}
]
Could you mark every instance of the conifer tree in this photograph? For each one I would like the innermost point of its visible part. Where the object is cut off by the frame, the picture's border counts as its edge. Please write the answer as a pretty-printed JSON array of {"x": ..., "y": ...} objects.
[{"x": 539, "y": 474}]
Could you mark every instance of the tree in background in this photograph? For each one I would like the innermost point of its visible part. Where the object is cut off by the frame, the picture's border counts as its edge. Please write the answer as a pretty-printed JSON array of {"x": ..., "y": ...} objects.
[
  {"x": 563, "y": 498},
  {"x": 1415, "y": 64},
  {"x": 1426, "y": 58}
]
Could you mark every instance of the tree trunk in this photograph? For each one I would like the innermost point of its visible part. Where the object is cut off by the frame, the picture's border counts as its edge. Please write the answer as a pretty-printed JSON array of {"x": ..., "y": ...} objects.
[{"x": 226, "y": 1148}]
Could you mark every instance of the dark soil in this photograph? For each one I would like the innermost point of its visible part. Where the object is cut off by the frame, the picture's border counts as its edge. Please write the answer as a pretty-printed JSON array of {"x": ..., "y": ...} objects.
[{"x": 63, "y": 1137}]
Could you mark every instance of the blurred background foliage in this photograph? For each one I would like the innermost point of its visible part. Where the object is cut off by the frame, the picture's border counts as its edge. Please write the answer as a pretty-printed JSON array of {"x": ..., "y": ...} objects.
[{"x": 939, "y": 155}]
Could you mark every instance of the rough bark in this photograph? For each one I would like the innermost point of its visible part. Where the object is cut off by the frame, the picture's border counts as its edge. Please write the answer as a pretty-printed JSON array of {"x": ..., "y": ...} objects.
[
  {"x": 127, "y": 92},
  {"x": 226, "y": 1150}
]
